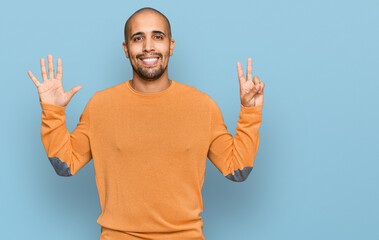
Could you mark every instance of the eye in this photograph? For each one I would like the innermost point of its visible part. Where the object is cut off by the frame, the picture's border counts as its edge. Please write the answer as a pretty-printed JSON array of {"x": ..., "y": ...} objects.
[
  {"x": 159, "y": 37},
  {"x": 137, "y": 38}
]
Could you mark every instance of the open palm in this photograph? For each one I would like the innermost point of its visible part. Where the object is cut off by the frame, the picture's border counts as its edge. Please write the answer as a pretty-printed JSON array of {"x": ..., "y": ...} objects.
[{"x": 51, "y": 90}]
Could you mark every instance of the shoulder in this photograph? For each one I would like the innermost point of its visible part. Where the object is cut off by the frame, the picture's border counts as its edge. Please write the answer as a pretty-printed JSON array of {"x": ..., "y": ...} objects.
[
  {"x": 194, "y": 93},
  {"x": 107, "y": 95},
  {"x": 110, "y": 91}
]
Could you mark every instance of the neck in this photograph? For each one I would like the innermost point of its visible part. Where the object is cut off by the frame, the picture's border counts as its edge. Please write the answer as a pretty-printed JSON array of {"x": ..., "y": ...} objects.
[{"x": 148, "y": 85}]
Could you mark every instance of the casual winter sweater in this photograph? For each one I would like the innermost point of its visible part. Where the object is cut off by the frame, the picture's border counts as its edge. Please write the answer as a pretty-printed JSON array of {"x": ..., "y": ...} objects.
[{"x": 149, "y": 152}]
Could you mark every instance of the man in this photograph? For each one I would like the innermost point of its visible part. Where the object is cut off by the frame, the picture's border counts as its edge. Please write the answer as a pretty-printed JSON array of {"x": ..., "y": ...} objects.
[{"x": 149, "y": 138}]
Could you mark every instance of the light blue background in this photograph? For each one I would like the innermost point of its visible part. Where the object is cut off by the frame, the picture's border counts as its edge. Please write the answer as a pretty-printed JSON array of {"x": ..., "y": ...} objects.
[{"x": 316, "y": 172}]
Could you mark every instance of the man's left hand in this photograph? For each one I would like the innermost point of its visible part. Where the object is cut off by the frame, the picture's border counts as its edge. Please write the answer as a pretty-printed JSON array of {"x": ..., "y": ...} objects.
[{"x": 251, "y": 90}]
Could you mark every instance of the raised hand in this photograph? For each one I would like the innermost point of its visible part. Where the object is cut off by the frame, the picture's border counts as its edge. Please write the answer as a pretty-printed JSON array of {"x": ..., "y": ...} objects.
[
  {"x": 251, "y": 91},
  {"x": 51, "y": 90}
]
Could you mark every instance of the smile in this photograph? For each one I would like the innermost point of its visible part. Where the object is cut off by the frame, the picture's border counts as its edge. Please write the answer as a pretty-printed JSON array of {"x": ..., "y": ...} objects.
[{"x": 149, "y": 61}]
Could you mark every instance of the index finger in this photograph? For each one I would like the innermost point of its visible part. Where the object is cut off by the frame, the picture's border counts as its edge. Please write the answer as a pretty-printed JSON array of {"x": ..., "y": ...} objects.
[
  {"x": 241, "y": 77},
  {"x": 43, "y": 69},
  {"x": 59, "y": 69}
]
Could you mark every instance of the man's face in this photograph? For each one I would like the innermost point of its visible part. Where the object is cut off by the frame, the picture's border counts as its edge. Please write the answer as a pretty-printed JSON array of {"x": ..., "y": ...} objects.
[{"x": 149, "y": 46}]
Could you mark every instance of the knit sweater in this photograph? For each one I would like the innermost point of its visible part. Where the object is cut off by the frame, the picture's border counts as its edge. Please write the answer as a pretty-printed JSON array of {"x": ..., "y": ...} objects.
[{"x": 149, "y": 152}]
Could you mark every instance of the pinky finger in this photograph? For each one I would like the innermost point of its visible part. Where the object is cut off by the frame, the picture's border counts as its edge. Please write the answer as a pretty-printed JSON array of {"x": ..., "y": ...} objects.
[
  {"x": 261, "y": 86},
  {"x": 59, "y": 69},
  {"x": 34, "y": 79}
]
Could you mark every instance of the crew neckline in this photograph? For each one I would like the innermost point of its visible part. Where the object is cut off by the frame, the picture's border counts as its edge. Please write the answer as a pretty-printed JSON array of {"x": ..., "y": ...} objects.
[{"x": 148, "y": 95}]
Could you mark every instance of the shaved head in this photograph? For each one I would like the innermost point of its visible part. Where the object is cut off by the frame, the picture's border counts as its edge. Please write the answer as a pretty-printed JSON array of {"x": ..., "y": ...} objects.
[{"x": 140, "y": 11}]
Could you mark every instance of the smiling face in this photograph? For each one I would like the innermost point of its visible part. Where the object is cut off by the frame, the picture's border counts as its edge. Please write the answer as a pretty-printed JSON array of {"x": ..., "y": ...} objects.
[{"x": 148, "y": 45}]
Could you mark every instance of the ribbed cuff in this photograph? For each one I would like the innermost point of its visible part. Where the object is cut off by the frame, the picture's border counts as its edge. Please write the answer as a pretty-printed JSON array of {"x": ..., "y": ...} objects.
[{"x": 51, "y": 107}]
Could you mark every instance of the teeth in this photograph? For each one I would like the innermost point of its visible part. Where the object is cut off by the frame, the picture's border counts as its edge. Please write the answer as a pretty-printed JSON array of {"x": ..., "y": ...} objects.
[{"x": 149, "y": 59}]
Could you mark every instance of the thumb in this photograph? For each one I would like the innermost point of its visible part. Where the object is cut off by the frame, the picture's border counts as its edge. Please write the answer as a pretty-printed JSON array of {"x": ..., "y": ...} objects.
[
  {"x": 253, "y": 91},
  {"x": 73, "y": 90}
]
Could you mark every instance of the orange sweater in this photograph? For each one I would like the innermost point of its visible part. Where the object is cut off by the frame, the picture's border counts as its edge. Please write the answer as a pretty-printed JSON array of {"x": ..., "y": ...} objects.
[{"x": 149, "y": 152}]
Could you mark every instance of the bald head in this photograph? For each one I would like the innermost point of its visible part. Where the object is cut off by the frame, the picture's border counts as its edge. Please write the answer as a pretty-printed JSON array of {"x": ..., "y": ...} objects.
[{"x": 142, "y": 11}]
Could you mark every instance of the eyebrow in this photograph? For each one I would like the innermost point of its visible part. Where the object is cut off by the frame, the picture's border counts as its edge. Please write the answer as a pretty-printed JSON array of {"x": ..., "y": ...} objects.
[{"x": 139, "y": 33}]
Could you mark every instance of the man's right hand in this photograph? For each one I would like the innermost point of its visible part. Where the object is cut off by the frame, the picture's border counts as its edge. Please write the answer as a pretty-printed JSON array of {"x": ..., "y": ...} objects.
[{"x": 51, "y": 90}]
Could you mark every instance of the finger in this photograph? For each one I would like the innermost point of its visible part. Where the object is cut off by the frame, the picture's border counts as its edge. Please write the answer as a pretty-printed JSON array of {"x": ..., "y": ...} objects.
[
  {"x": 256, "y": 80},
  {"x": 72, "y": 92},
  {"x": 59, "y": 69},
  {"x": 240, "y": 74},
  {"x": 249, "y": 74},
  {"x": 43, "y": 69},
  {"x": 51, "y": 66},
  {"x": 256, "y": 83},
  {"x": 34, "y": 79},
  {"x": 262, "y": 85}
]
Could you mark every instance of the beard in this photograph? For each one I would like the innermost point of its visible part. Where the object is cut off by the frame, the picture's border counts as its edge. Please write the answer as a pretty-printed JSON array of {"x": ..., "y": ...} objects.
[{"x": 149, "y": 74}]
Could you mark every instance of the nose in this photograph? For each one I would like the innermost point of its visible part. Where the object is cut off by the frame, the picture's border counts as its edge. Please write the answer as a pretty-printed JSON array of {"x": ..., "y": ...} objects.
[{"x": 148, "y": 45}]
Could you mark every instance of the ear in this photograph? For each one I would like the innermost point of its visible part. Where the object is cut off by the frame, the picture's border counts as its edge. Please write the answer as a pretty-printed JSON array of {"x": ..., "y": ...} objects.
[
  {"x": 172, "y": 45},
  {"x": 125, "y": 49}
]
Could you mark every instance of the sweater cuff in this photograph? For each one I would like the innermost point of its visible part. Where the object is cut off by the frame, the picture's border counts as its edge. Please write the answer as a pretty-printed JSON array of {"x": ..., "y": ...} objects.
[
  {"x": 251, "y": 109},
  {"x": 51, "y": 107}
]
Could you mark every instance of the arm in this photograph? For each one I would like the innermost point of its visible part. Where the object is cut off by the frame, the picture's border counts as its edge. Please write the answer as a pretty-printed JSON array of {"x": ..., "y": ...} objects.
[
  {"x": 234, "y": 156},
  {"x": 67, "y": 153}
]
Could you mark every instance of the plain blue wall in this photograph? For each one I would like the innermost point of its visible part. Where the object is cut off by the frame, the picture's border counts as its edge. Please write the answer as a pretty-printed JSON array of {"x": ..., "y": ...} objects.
[{"x": 316, "y": 172}]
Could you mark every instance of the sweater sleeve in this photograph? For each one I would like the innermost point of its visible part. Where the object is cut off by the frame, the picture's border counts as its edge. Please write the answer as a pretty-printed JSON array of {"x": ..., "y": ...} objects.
[
  {"x": 234, "y": 156},
  {"x": 67, "y": 153}
]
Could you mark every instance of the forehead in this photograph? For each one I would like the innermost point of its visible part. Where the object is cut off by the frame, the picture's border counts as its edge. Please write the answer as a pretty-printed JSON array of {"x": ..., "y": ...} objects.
[{"x": 147, "y": 22}]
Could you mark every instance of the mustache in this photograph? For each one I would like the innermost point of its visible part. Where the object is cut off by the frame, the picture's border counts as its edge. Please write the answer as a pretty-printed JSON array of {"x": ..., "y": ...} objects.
[{"x": 151, "y": 54}]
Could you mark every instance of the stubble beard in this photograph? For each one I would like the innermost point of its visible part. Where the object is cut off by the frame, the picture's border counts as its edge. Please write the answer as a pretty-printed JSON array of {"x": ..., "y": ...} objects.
[{"x": 149, "y": 74}]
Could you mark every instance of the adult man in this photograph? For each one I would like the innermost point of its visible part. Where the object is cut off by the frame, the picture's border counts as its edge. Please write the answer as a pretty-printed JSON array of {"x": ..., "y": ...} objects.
[{"x": 149, "y": 138}]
